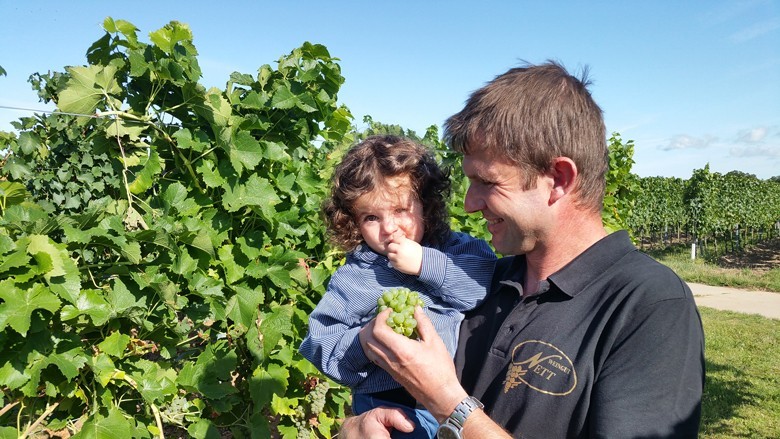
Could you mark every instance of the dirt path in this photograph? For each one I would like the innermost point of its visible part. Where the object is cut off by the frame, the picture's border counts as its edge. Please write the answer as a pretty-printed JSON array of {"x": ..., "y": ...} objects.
[{"x": 731, "y": 299}]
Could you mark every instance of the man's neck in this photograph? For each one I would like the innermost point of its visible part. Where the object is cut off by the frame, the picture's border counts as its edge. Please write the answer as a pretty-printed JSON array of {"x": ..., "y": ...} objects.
[{"x": 569, "y": 241}]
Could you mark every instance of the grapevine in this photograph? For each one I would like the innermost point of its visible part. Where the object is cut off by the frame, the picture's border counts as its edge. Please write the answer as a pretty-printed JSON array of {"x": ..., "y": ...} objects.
[{"x": 402, "y": 301}]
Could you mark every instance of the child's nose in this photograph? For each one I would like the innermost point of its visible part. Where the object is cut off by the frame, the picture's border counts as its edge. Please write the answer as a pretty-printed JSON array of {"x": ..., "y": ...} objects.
[{"x": 389, "y": 225}]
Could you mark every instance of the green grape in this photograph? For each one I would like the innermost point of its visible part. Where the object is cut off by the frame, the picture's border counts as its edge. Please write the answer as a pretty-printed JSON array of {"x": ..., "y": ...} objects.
[
  {"x": 402, "y": 301},
  {"x": 318, "y": 397}
]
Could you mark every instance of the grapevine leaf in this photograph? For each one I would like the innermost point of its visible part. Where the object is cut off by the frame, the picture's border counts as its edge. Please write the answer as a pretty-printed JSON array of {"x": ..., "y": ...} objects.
[
  {"x": 275, "y": 151},
  {"x": 77, "y": 236},
  {"x": 267, "y": 382},
  {"x": 8, "y": 432},
  {"x": 283, "y": 97},
  {"x": 113, "y": 426},
  {"x": 36, "y": 362},
  {"x": 306, "y": 103},
  {"x": 186, "y": 140},
  {"x": 120, "y": 128},
  {"x": 16, "y": 168},
  {"x": 244, "y": 151},
  {"x": 203, "y": 428},
  {"x": 122, "y": 301},
  {"x": 283, "y": 406},
  {"x": 12, "y": 374},
  {"x": 171, "y": 34},
  {"x": 115, "y": 344},
  {"x": 144, "y": 178},
  {"x": 19, "y": 258},
  {"x": 103, "y": 368},
  {"x": 210, "y": 374},
  {"x": 210, "y": 175},
  {"x": 216, "y": 109},
  {"x": 12, "y": 193},
  {"x": 49, "y": 258},
  {"x": 29, "y": 142},
  {"x": 243, "y": 306},
  {"x": 153, "y": 382},
  {"x": 20, "y": 304},
  {"x": 86, "y": 88},
  {"x": 200, "y": 240},
  {"x": 257, "y": 192},
  {"x": 125, "y": 27},
  {"x": 233, "y": 271},
  {"x": 91, "y": 303},
  {"x": 274, "y": 325},
  {"x": 69, "y": 362}
]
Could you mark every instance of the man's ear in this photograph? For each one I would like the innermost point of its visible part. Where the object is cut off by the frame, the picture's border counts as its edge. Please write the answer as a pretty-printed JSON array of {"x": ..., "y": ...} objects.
[{"x": 564, "y": 174}]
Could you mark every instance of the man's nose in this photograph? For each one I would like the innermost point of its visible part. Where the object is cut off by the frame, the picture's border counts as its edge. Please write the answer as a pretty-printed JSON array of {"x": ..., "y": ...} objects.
[{"x": 472, "y": 203}]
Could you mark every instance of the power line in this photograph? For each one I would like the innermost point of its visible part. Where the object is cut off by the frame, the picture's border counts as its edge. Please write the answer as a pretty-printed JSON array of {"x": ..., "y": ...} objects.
[{"x": 6, "y": 107}]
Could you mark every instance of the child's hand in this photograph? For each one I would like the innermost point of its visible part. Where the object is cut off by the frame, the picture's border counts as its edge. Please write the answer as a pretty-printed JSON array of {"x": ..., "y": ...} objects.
[{"x": 404, "y": 254}]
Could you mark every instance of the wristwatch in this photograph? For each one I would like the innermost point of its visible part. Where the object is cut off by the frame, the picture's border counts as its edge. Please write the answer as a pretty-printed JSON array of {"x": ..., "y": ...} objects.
[{"x": 452, "y": 427}]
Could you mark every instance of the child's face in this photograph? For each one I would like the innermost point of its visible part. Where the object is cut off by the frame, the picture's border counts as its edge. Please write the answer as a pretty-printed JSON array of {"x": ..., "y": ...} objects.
[{"x": 392, "y": 208}]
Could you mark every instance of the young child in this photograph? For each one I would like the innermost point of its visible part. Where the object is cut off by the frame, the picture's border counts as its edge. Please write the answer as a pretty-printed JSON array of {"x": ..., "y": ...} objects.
[{"x": 388, "y": 211}]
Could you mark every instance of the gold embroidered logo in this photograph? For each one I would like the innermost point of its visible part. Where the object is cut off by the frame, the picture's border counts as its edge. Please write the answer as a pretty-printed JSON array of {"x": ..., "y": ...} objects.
[{"x": 542, "y": 367}]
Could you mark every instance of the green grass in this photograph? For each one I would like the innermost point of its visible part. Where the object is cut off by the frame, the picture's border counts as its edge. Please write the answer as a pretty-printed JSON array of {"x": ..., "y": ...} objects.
[
  {"x": 700, "y": 271},
  {"x": 742, "y": 389}
]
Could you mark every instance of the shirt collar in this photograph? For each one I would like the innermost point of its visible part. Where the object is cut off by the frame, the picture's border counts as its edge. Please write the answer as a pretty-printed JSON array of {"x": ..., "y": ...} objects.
[
  {"x": 592, "y": 263},
  {"x": 364, "y": 253}
]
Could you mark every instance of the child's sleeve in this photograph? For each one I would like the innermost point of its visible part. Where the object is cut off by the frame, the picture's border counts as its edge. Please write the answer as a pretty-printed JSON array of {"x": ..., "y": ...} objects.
[
  {"x": 460, "y": 274},
  {"x": 332, "y": 342}
]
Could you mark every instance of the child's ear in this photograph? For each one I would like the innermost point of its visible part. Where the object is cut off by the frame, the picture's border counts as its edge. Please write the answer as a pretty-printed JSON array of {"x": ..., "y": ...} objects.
[{"x": 564, "y": 175}]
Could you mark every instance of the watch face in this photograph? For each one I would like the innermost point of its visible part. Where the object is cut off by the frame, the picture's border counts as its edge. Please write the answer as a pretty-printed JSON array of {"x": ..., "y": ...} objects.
[{"x": 447, "y": 431}]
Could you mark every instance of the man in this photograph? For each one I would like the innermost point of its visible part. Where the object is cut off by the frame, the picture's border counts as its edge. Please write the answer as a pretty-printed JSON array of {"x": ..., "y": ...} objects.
[{"x": 581, "y": 335}]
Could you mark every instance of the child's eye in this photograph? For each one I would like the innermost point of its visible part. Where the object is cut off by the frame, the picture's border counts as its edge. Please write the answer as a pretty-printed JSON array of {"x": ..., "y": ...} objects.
[
  {"x": 368, "y": 218},
  {"x": 400, "y": 210}
]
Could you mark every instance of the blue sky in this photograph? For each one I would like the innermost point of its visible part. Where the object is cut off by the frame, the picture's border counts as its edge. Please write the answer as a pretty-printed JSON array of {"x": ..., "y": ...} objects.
[{"x": 691, "y": 82}]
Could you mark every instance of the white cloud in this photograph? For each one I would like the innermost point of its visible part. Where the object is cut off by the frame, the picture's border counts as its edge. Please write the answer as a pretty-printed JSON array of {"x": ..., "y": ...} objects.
[
  {"x": 757, "y": 142},
  {"x": 684, "y": 141},
  {"x": 755, "y": 135}
]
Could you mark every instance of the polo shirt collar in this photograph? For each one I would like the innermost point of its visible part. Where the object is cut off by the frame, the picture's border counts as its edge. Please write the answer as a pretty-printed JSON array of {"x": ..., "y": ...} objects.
[{"x": 592, "y": 263}]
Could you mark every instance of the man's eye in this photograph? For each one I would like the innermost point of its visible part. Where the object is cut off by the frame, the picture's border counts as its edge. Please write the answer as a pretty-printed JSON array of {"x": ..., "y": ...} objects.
[{"x": 479, "y": 182}]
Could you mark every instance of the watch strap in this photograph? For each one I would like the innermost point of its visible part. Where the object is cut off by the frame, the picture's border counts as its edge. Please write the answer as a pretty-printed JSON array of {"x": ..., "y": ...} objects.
[{"x": 462, "y": 411}]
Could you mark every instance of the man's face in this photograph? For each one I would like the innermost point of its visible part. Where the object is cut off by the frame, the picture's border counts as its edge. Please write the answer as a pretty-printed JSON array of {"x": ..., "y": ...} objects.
[
  {"x": 390, "y": 209},
  {"x": 516, "y": 217}
]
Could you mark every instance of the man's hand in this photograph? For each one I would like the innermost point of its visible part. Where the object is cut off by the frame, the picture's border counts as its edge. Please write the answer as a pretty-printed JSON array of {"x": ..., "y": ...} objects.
[
  {"x": 376, "y": 424},
  {"x": 424, "y": 367},
  {"x": 405, "y": 254}
]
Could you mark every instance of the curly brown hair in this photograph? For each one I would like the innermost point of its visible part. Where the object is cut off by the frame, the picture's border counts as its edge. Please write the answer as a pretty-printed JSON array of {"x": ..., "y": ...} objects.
[{"x": 366, "y": 166}]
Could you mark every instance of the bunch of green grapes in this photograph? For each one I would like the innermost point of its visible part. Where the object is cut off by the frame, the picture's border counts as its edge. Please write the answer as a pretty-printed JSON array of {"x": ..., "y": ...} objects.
[{"x": 402, "y": 301}]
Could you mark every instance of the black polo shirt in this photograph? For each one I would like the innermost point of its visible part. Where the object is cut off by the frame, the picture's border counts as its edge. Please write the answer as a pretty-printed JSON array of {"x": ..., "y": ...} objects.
[{"x": 612, "y": 346}]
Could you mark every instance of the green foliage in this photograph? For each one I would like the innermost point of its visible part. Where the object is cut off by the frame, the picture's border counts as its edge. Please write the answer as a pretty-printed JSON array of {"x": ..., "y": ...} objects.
[
  {"x": 621, "y": 186},
  {"x": 721, "y": 206},
  {"x": 161, "y": 245},
  {"x": 659, "y": 208},
  {"x": 710, "y": 208}
]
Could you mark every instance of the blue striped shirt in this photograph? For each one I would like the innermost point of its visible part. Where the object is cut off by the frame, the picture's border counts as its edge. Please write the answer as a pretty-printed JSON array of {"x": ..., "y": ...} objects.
[{"x": 454, "y": 278}]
